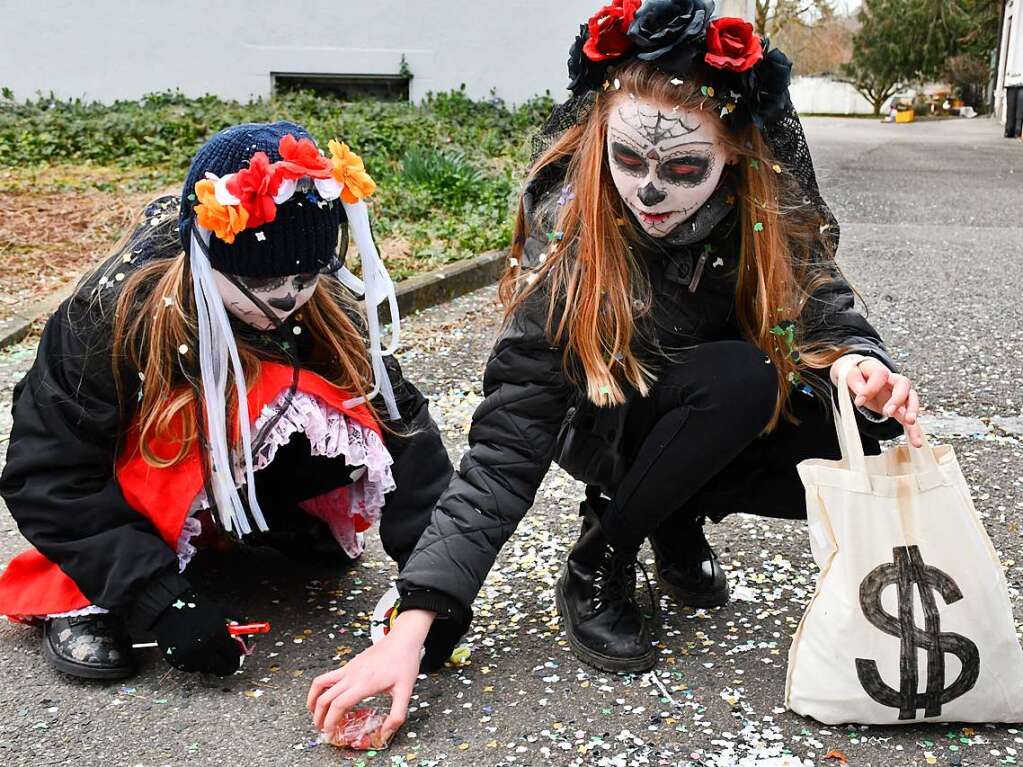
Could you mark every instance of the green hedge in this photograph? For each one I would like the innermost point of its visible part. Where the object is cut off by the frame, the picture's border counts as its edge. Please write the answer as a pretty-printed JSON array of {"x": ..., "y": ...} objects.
[{"x": 448, "y": 169}]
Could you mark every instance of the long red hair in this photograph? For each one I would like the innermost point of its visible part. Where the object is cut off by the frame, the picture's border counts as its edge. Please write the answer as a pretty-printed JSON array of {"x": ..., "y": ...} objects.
[{"x": 596, "y": 286}]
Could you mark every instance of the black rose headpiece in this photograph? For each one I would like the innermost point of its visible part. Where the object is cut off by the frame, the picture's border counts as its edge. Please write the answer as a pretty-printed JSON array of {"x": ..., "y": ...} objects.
[{"x": 746, "y": 79}]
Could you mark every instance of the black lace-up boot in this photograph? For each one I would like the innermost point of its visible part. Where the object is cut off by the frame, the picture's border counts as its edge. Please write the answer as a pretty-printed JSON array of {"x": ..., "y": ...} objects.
[
  {"x": 688, "y": 570},
  {"x": 89, "y": 646},
  {"x": 596, "y": 596}
]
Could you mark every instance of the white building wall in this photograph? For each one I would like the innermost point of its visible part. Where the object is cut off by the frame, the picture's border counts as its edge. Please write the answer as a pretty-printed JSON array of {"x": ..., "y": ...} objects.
[
  {"x": 121, "y": 49},
  {"x": 1010, "y": 58},
  {"x": 111, "y": 49},
  {"x": 822, "y": 95},
  {"x": 745, "y": 9}
]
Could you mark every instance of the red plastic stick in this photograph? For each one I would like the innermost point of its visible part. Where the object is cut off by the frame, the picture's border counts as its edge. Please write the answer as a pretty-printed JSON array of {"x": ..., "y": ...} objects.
[{"x": 244, "y": 629}]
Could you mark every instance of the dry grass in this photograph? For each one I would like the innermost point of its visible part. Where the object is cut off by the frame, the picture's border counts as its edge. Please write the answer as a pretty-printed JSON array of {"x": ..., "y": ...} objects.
[
  {"x": 57, "y": 221},
  {"x": 48, "y": 239}
]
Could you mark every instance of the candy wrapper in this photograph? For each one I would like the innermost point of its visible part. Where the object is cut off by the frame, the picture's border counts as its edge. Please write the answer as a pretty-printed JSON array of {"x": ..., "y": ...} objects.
[{"x": 359, "y": 730}]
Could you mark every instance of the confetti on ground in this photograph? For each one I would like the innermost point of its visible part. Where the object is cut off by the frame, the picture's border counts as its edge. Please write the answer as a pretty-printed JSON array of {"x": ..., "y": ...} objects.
[{"x": 716, "y": 699}]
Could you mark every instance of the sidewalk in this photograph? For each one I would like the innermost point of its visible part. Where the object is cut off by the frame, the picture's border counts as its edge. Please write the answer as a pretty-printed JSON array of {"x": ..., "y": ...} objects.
[{"x": 931, "y": 235}]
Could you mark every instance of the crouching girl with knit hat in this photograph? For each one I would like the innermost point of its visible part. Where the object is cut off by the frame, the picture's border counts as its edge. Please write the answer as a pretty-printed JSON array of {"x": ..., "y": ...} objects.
[{"x": 214, "y": 374}]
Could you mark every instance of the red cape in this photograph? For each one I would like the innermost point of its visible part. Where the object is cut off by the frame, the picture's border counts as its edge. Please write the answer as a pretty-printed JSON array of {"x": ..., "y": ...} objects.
[{"x": 34, "y": 586}]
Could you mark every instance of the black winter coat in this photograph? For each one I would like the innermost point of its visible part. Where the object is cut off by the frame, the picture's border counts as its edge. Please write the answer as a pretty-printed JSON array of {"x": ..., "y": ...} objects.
[
  {"x": 532, "y": 415},
  {"x": 59, "y": 481}
]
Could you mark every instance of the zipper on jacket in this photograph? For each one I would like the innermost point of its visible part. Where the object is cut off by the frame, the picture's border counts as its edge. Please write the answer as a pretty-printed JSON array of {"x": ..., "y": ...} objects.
[{"x": 698, "y": 272}]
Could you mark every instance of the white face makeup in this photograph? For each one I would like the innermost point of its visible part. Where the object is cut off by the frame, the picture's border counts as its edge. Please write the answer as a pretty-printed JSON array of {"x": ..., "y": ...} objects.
[
  {"x": 282, "y": 295},
  {"x": 665, "y": 162}
]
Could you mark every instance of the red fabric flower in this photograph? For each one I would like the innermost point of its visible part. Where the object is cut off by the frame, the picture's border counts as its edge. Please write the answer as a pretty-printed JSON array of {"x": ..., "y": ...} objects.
[
  {"x": 301, "y": 157},
  {"x": 609, "y": 28},
  {"x": 732, "y": 45},
  {"x": 256, "y": 186}
]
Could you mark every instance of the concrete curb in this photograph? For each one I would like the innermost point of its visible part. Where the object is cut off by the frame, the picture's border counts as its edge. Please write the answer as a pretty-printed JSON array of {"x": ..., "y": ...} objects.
[
  {"x": 18, "y": 326},
  {"x": 414, "y": 294},
  {"x": 457, "y": 279}
]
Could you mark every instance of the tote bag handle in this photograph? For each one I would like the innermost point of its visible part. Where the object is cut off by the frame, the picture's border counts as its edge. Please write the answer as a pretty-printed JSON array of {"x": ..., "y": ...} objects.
[{"x": 849, "y": 436}]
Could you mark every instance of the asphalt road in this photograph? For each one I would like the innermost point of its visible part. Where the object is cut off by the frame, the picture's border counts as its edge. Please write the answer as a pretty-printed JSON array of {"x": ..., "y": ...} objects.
[{"x": 932, "y": 234}]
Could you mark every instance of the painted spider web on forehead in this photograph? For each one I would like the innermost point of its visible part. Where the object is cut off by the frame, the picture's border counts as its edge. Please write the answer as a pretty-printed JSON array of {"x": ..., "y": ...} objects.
[{"x": 656, "y": 128}]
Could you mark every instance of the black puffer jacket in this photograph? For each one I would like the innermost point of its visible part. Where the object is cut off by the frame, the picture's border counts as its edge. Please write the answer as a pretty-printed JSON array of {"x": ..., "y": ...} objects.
[
  {"x": 532, "y": 414},
  {"x": 59, "y": 481}
]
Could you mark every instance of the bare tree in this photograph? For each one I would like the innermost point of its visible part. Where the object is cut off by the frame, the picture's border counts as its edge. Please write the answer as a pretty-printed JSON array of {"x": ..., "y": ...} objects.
[
  {"x": 875, "y": 87},
  {"x": 774, "y": 15},
  {"x": 821, "y": 47}
]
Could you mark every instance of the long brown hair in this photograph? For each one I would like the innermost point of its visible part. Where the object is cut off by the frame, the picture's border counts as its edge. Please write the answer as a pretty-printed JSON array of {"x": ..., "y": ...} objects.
[
  {"x": 154, "y": 333},
  {"x": 595, "y": 284}
]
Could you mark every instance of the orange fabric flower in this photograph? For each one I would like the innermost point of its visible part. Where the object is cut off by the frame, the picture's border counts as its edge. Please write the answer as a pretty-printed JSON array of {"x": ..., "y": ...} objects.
[
  {"x": 225, "y": 221},
  {"x": 350, "y": 171}
]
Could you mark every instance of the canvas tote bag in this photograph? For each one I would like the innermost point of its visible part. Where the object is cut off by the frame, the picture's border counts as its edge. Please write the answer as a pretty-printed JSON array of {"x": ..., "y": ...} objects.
[{"x": 911, "y": 620}]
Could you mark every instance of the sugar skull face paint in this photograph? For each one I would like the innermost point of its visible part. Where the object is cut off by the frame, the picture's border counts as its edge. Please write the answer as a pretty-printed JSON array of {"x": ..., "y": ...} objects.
[
  {"x": 281, "y": 295},
  {"x": 665, "y": 163}
]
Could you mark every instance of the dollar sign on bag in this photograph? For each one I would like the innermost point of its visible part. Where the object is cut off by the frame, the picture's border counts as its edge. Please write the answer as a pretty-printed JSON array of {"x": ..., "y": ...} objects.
[{"x": 906, "y": 571}]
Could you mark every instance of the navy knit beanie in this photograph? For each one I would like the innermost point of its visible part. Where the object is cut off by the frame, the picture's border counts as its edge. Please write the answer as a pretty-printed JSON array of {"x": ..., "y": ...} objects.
[{"x": 303, "y": 237}]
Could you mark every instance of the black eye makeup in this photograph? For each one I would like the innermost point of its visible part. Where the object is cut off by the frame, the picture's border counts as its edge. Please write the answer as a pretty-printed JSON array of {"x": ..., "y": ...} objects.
[
  {"x": 266, "y": 284},
  {"x": 689, "y": 169},
  {"x": 628, "y": 159},
  {"x": 262, "y": 284},
  {"x": 303, "y": 281}
]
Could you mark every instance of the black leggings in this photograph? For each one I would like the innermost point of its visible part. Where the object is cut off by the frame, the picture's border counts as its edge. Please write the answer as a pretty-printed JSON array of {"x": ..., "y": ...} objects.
[{"x": 695, "y": 445}]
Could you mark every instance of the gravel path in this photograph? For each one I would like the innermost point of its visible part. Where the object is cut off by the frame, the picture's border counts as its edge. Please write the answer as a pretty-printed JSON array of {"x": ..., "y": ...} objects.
[{"x": 930, "y": 215}]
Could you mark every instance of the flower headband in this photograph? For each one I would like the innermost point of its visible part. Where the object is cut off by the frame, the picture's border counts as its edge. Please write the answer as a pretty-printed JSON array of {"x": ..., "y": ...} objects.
[
  {"x": 248, "y": 198},
  {"x": 677, "y": 36}
]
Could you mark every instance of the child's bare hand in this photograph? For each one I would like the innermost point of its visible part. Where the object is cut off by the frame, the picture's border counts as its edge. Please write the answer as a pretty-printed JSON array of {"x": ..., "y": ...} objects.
[
  {"x": 878, "y": 389},
  {"x": 390, "y": 666}
]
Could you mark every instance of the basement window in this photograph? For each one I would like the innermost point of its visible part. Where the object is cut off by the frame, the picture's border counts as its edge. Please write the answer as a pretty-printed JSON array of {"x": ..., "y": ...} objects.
[{"x": 344, "y": 87}]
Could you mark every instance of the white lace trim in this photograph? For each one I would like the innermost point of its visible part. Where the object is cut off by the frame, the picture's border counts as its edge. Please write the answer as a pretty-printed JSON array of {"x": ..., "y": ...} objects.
[
  {"x": 185, "y": 549},
  {"x": 331, "y": 434},
  {"x": 87, "y": 610}
]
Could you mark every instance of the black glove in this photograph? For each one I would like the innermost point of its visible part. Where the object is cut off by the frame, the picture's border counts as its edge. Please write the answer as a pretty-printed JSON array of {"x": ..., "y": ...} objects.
[{"x": 192, "y": 633}]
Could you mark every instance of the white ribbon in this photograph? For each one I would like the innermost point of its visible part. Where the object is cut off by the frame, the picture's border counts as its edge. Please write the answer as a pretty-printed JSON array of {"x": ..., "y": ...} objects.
[
  {"x": 216, "y": 348},
  {"x": 377, "y": 288}
]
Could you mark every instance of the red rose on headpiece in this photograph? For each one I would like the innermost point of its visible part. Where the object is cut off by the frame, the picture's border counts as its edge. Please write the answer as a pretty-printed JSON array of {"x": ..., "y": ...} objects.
[
  {"x": 731, "y": 44},
  {"x": 256, "y": 186},
  {"x": 609, "y": 29},
  {"x": 301, "y": 157}
]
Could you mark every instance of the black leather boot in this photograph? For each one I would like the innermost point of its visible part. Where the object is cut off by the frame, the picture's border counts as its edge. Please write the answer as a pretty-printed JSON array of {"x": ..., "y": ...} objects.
[
  {"x": 688, "y": 570},
  {"x": 89, "y": 646},
  {"x": 596, "y": 596}
]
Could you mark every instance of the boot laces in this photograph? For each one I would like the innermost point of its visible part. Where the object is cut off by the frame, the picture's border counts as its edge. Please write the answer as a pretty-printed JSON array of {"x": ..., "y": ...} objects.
[
  {"x": 655, "y": 605},
  {"x": 615, "y": 582},
  {"x": 615, "y": 579}
]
